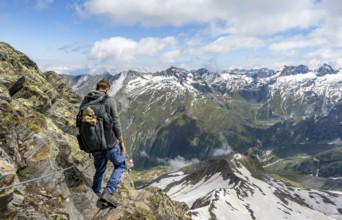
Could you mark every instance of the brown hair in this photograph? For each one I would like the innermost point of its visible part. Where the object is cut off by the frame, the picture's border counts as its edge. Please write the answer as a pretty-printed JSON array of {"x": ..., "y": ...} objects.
[{"x": 103, "y": 85}]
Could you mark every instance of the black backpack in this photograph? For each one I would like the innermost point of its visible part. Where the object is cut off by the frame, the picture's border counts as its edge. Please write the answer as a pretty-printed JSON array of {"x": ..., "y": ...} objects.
[{"x": 92, "y": 137}]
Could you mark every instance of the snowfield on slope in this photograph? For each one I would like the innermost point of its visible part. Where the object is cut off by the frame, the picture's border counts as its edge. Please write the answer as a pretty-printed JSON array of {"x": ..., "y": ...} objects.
[{"x": 250, "y": 198}]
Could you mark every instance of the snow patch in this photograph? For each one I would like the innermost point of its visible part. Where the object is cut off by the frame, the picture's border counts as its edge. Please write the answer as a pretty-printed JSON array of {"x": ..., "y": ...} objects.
[
  {"x": 117, "y": 84},
  {"x": 172, "y": 177},
  {"x": 252, "y": 198},
  {"x": 237, "y": 156}
]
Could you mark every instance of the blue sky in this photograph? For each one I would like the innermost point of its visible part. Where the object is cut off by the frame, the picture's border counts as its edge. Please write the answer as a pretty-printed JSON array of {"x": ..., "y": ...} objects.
[{"x": 90, "y": 36}]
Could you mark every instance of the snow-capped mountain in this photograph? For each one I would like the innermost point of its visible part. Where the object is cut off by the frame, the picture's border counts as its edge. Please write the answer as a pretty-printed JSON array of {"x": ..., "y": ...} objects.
[
  {"x": 195, "y": 114},
  {"x": 326, "y": 69},
  {"x": 234, "y": 187},
  {"x": 293, "y": 91}
]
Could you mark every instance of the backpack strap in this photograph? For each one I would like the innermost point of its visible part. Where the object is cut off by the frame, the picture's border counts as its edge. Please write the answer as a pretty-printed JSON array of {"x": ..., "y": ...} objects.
[{"x": 100, "y": 100}]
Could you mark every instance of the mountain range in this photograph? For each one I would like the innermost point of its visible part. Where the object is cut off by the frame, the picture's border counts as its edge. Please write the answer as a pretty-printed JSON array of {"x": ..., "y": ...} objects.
[{"x": 292, "y": 115}]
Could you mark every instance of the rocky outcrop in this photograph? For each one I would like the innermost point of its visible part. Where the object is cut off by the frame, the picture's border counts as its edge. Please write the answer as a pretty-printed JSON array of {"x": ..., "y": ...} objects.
[
  {"x": 294, "y": 70},
  {"x": 39, "y": 153},
  {"x": 153, "y": 203},
  {"x": 30, "y": 139},
  {"x": 326, "y": 69}
]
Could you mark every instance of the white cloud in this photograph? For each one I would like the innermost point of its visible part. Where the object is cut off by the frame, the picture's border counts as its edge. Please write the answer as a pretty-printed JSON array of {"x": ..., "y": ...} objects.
[
  {"x": 225, "y": 148},
  {"x": 326, "y": 32},
  {"x": 150, "y": 46},
  {"x": 325, "y": 53},
  {"x": 170, "y": 56},
  {"x": 179, "y": 162},
  {"x": 328, "y": 35},
  {"x": 281, "y": 29},
  {"x": 296, "y": 42},
  {"x": 237, "y": 16},
  {"x": 321, "y": 37},
  {"x": 61, "y": 69},
  {"x": 125, "y": 50},
  {"x": 228, "y": 43},
  {"x": 155, "y": 12},
  {"x": 333, "y": 9},
  {"x": 43, "y": 4},
  {"x": 267, "y": 17},
  {"x": 116, "y": 47}
]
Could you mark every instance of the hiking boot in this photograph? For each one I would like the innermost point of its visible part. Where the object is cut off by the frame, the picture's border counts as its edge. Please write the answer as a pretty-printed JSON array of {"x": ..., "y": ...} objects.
[
  {"x": 108, "y": 198},
  {"x": 101, "y": 205}
]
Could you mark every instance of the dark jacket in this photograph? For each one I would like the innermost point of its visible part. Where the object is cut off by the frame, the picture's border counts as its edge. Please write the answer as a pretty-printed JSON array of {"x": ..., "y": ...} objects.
[{"x": 112, "y": 130}]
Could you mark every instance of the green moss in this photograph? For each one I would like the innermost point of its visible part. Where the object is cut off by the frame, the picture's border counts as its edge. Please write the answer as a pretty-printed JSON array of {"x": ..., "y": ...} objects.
[
  {"x": 7, "y": 121},
  {"x": 25, "y": 102},
  {"x": 122, "y": 186},
  {"x": 158, "y": 199},
  {"x": 148, "y": 214},
  {"x": 33, "y": 96},
  {"x": 7, "y": 118},
  {"x": 36, "y": 89},
  {"x": 75, "y": 149},
  {"x": 78, "y": 155},
  {"x": 53, "y": 128},
  {"x": 35, "y": 128},
  {"x": 40, "y": 119},
  {"x": 36, "y": 122},
  {"x": 60, "y": 200},
  {"x": 64, "y": 112}
]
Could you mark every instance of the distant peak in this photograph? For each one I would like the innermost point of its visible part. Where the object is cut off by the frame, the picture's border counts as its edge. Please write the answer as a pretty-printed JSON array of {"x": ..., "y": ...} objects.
[
  {"x": 202, "y": 71},
  {"x": 176, "y": 69},
  {"x": 294, "y": 70},
  {"x": 326, "y": 69}
]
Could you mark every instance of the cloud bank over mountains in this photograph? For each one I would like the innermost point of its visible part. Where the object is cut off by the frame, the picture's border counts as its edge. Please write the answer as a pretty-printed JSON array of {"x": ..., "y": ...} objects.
[
  {"x": 88, "y": 35},
  {"x": 273, "y": 33}
]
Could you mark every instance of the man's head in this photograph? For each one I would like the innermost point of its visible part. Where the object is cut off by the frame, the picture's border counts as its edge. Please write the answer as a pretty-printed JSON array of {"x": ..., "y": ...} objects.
[{"x": 103, "y": 85}]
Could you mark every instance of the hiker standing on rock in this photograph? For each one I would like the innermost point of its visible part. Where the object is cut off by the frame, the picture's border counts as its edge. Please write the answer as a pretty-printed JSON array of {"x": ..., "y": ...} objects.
[{"x": 100, "y": 134}]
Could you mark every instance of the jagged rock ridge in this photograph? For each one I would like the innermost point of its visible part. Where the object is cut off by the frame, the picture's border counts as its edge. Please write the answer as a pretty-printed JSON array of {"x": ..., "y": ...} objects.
[{"x": 37, "y": 139}]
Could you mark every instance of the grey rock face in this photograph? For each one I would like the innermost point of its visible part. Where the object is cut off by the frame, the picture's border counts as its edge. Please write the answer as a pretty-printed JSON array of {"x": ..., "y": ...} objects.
[
  {"x": 326, "y": 69},
  {"x": 38, "y": 146}
]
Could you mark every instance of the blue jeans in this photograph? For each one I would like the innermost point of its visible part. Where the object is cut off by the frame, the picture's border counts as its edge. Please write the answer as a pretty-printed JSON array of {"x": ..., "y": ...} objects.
[{"x": 101, "y": 158}]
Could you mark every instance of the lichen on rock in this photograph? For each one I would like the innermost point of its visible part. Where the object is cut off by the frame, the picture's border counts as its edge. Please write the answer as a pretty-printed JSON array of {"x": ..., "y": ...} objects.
[{"x": 38, "y": 145}]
